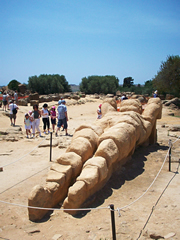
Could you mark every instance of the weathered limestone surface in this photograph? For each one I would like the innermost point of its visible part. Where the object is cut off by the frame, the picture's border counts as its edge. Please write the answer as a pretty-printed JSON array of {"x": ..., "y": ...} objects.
[
  {"x": 131, "y": 105},
  {"x": 94, "y": 154}
]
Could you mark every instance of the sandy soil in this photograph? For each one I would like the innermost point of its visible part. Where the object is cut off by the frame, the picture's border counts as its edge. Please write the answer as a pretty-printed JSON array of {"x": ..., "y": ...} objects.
[{"x": 157, "y": 213}]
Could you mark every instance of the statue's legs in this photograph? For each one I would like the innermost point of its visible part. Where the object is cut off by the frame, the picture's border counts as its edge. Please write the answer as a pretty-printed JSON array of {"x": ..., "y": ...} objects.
[{"x": 63, "y": 173}]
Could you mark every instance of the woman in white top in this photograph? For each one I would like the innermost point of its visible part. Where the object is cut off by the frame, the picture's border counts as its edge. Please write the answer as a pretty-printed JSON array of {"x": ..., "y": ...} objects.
[
  {"x": 27, "y": 124},
  {"x": 45, "y": 118}
]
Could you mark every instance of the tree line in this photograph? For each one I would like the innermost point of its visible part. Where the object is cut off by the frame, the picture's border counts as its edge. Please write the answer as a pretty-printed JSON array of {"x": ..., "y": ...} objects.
[
  {"x": 167, "y": 80},
  {"x": 99, "y": 84},
  {"x": 47, "y": 83}
]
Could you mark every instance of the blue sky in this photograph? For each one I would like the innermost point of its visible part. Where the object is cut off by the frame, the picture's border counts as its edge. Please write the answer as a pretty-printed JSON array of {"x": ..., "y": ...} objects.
[{"x": 80, "y": 38}]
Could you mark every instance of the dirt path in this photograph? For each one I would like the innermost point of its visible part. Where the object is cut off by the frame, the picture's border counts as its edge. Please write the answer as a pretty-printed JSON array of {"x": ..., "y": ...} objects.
[{"x": 123, "y": 188}]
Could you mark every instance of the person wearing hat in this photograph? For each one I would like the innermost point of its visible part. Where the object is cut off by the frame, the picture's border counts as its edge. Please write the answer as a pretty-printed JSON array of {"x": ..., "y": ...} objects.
[
  {"x": 99, "y": 116},
  {"x": 53, "y": 117},
  {"x": 62, "y": 116},
  {"x": 45, "y": 118},
  {"x": 59, "y": 103},
  {"x": 156, "y": 94},
  {"x": 124, "y": 97}
]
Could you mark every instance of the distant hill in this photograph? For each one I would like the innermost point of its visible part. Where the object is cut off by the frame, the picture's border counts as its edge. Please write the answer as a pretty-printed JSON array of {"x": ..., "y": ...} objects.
[{"x": 74, "y": 87}]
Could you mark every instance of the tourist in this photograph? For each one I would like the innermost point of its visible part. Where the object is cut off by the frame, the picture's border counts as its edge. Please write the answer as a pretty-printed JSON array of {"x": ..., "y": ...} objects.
[
  {"x": 31, "y": 119},
  {"x": 53, "y": 117},
  {"x": 156, "y": 94},
  {"x": 13, "y": 111},
  {"x": 59, "y": 103},
  {"x": 9, "y": 99},
  {"x": 99, "y": 116},
  {"x": 27, "y": 124},
  {"x": 62, "y": 116},
  {"x": 45, "y": 118},
  {"x": 36, "y": 114},
  {"x": 5, "y": 101},
  {"x": 16, "y": 97},
  {"x": 123, "y": 97}
]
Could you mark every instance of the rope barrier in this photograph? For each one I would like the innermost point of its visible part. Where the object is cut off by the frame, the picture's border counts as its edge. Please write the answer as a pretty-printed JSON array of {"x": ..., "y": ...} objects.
[
  {"x": 24, "y": 155},
  {"x": 86, "y": 209},
  {"x": 153, "y": 208},
  {"x": 24, "y": 179},
  {"x": 118, "y": 209},
  {"x": 176, "y": 140},
  {"x": 52, "y": 209},
  {"x": 89, "y": 209}
]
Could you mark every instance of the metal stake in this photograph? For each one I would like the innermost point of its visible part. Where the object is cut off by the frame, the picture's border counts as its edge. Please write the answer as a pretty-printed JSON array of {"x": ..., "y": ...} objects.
[
  {"x": 170, "y": 146},
  {"x": 113, "y": 221},
  {"x": 50, "y": 145}
]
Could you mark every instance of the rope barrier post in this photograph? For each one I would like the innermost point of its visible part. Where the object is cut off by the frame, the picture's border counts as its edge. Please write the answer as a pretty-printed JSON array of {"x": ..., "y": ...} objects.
[
  {"x": 50, "y": 145},
  {"x": 113, "y": 221},
  {"x": 170, "y": 145}
]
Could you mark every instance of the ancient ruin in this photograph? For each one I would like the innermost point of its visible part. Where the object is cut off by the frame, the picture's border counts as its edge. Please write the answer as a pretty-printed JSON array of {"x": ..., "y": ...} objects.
[{"x": 94, "y": 153}]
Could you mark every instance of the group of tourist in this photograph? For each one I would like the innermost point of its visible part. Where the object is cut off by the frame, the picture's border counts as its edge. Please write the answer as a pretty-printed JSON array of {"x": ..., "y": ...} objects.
[
  {"x": 32, "y": 119},
  {"x": 7, "y": 99}
]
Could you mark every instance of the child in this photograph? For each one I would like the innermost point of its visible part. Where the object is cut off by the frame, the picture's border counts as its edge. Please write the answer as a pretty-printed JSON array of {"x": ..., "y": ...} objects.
[
  {"x": 27, "y": 123},
  {"x": 31, "y": 118},
  {"x": 53, "y": 117}
]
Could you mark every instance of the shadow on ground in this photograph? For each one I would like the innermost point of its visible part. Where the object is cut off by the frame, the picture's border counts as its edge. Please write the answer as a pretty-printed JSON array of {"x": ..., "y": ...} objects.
[{"x": 128, "y": 172}]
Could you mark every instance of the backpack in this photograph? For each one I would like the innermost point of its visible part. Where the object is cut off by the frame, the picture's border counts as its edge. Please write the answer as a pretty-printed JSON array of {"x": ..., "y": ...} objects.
[{"x": 14, "y": 110}]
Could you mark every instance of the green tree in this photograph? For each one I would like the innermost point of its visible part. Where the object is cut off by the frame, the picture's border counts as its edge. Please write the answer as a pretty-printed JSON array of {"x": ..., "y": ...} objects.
[
  {"x": 167, "y": 79},
  {"x": 128, "y": 82},
  {"x": 112, "y": 83},
  {"x": 99, "y": 84},
  {"x": 83, "y": 86},
  {"x": 47, "y": 83},
  {"x": 148, "y": 87},
  {"x": 94, "y": 84},
  {"x": 138, "y": 89},
  {"x": 55, "y": 84},
  {"x": 13, "y": 85}
]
